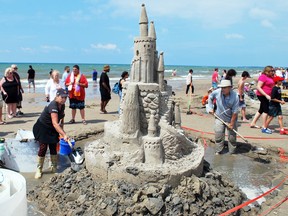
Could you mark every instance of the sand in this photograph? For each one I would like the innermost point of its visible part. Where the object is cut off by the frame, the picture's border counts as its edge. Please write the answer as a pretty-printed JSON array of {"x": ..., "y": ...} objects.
[{"x": 199, "y": 123}]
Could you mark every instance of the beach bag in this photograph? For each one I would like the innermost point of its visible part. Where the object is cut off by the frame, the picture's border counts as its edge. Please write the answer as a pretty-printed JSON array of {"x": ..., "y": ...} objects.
[{"x": 116, "y": 88}]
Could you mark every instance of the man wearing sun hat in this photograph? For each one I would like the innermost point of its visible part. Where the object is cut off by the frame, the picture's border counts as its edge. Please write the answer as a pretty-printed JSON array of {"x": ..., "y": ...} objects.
[{"x": 227, "y": 103}]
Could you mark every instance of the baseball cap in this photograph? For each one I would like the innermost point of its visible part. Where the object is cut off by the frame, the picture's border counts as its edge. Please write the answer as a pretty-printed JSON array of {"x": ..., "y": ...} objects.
[{"x": 62, "y": 93}]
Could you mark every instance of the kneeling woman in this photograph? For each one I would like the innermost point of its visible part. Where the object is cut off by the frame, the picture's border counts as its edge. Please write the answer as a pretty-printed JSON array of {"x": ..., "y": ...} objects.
[{"x": 47, "y": 130}]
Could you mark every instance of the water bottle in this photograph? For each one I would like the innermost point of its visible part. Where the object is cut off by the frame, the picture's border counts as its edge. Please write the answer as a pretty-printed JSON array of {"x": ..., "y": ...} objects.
[{"x": 2, "y": 149}]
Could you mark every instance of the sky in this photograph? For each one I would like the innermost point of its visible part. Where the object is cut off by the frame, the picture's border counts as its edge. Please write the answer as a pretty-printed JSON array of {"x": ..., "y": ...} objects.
[{"x": 189, "y": 32}]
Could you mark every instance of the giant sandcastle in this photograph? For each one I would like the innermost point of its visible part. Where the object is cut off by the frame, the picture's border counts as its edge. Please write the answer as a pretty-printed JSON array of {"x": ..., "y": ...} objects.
[{"x": 147, "y": 143}]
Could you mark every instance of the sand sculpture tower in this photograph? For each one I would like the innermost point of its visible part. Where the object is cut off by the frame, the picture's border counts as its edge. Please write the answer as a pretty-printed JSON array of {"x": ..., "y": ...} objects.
[
  {"x": 147, "y": 139},
  {"x": 145, "y": 61}
]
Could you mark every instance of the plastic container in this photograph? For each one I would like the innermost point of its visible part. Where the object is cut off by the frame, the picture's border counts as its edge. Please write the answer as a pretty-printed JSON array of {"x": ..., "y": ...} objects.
[
  {"x": 65, "y": 148},
  {"x": 13, "y": 200},
  {"x": 2, "y": 150}
]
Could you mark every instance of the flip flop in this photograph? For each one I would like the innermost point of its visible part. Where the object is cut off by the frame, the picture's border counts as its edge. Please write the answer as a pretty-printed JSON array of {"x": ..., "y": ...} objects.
[
  {"x": 2, "y": 123},
  {"x": 84, "y": 122},
  {"x": 72, "y": 121},
  {"x": 255, "y": 126}
]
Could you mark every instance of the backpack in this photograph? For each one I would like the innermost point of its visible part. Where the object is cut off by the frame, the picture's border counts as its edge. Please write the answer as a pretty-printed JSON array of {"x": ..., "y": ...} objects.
[{"x": 116, "y": 88}]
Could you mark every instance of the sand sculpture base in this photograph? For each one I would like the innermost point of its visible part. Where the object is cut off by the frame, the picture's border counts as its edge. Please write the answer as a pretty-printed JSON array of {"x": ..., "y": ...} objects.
[{"x": 116, "y": 158}]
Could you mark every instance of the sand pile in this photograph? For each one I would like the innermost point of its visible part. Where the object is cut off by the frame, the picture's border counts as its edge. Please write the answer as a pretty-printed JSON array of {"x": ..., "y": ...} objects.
[{"x": 77, "y": 193}]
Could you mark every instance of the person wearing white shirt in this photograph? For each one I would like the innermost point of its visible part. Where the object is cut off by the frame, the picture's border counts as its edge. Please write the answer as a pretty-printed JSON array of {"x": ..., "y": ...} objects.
[
  {"x": 53, "y": 85},
  {"x": 189, "y": 82}
]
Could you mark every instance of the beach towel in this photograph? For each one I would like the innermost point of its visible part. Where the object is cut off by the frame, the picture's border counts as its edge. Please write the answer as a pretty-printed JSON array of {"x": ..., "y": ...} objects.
[{"x": 76, "y": 87}]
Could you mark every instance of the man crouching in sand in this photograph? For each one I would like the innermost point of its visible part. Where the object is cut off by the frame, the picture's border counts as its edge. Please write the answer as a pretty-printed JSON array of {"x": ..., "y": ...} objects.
[{"x": 227, "y": 102}]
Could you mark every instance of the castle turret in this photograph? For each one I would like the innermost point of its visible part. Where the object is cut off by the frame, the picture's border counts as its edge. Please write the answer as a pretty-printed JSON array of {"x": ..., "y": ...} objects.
[
  {"x": 144, "y": 66},
  {"x": 153, "y": 148},
  {"x": 143, "y": 23},
  {"x": 130, "y": 116},
  {"x": 160, "y": 71},
  {"x": 152, "y": 32}
]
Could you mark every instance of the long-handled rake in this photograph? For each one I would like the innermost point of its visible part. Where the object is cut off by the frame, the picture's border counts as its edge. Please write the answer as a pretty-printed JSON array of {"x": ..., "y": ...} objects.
[{"x": 245, "y": 140}]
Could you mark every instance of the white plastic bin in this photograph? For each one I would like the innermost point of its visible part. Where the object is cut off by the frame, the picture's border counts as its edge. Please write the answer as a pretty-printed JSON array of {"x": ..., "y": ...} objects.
[{"x": 13, "y": 200}]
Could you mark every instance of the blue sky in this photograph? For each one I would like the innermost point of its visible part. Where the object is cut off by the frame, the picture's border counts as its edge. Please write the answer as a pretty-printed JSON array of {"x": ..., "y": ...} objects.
[{"x": 206, "y": 32}]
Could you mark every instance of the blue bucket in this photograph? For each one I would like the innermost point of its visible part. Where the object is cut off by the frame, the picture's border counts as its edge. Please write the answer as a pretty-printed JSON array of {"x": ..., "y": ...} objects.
[{"x": 65, "y": 148}]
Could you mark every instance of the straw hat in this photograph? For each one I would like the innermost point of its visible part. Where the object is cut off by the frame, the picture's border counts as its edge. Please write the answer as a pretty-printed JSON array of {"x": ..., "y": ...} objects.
[{"x": 225, "y": 83}]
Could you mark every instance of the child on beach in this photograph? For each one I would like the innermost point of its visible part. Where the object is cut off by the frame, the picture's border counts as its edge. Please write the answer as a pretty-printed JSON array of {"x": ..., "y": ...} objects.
[
  {"x": 242, "y": 104},
  {"x": 205, "y": 97},
  {"x": 205, "y": 100},
  {"x": 275, "y": 104}
]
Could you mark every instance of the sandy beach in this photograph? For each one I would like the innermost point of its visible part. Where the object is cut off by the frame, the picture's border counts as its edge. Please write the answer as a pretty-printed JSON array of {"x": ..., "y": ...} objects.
[{"x": 198, "y": 124}]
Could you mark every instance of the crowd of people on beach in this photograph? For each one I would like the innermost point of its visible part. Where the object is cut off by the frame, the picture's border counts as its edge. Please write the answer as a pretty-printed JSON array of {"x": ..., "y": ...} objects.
[
  {"x": 49, "y": 125},
  {"x": 11, "y": 94},
  {"x": 225, "y": 102},
  {"x": 222, "y": 101}
]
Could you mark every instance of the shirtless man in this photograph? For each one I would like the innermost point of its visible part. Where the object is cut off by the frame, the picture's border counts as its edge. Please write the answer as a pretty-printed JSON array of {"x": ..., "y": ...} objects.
[{"x": 242, "y": 104}]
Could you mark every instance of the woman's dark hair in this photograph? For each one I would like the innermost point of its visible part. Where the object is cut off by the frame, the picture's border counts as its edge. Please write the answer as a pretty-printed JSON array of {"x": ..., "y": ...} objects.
[
  {"x": 124, "y": 73},
  {"x": 231, "y": 73}
]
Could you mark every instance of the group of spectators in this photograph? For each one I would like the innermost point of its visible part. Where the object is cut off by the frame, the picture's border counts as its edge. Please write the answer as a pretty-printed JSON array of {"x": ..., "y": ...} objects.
[
  {"x": 269, "y": 95},
  {"x": 225, "y": 103},
  {"x": 50, "y": 124},
  {"x": 11, "y": 93}
]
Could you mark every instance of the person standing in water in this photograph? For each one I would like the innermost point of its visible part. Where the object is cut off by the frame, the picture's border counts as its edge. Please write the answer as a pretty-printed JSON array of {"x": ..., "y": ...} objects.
[{"x": 31, "y": 78}]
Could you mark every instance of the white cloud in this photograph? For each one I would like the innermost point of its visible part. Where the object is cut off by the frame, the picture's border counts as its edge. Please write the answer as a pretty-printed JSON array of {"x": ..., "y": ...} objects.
[
  {"x": 259, "y": 13},
  {"x": 51, "y": 48},
  {"x": 27, "y": 49},
  {"x": 108, "y": 46},
  {"x": 5, "y": 51},
  {"x": 209, "y": 13},
  {"x": 266, "y": 16},
  {"x": 76, "y": 15},
  {"x": 266, "y": 23},
  {"x": 234, "y": 36}
]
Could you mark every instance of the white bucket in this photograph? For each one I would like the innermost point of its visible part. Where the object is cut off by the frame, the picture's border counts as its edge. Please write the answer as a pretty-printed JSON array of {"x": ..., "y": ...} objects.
[{"x": 13, "y": 200}]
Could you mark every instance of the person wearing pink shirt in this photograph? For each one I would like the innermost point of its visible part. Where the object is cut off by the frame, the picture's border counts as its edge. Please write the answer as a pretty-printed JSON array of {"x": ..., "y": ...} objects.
[
  {"x": 264, "y": 89},
  {"x": 215, "y": 79}
]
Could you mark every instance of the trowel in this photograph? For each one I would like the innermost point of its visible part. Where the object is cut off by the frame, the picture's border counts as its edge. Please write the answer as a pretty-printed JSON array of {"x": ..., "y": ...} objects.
[{"x": 76, "y": 157}]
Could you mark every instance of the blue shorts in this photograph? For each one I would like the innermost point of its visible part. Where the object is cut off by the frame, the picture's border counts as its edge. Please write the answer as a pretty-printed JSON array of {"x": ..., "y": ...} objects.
[
  {"x": 214, "y": 85},
  {"x": 242, "y": 104},
  {"x": 275, "y": 111},
  {"x": 76, "y": 104}
]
